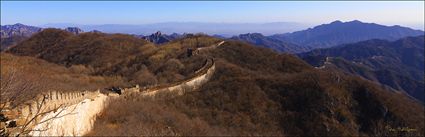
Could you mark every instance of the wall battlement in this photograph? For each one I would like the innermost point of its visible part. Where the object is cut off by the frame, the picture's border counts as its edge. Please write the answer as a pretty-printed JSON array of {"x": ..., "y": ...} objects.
[{"x": 53, "y": 100}]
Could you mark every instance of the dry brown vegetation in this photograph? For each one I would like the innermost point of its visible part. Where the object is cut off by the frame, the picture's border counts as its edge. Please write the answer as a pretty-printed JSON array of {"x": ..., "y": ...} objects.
[
  {"x": 128, "y": 58},
  {"x": 25, "y": 78},
  {"x": 255, "y": 91},
  {"x": 149, "y": 118},
  {"x": 22, "y": 78}
]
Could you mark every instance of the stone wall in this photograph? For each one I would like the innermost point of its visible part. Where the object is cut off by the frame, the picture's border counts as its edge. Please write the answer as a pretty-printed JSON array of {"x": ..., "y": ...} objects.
[
  {"x": 200, "y": 77},
  {"x": 179, "y": 88},
  {"x": 203, "y": 49},
  {"x": 73, "y": 120},
  {"x": 73, "y": 113},
  {"x": 37, "y": 110},
  {"x": 52, "y": 100}
]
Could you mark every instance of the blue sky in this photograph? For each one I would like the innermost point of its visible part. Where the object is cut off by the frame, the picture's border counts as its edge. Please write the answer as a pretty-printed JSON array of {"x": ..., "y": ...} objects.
[{"x": 133, "y": 12}]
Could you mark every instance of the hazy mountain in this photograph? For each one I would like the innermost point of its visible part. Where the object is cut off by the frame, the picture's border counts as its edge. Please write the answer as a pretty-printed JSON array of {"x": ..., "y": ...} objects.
[
  {"x": 337, "y": 32},
  {"x": 13, "y": 34},
  {"x": 160, "y": 38},
  {"x": 75, "y": 30},
  {"x": 269, "y": 42},
  {"x": 224, "y": 29},
  {"x": 398, "y": 64},
  {"x": 18, "y": 30}
]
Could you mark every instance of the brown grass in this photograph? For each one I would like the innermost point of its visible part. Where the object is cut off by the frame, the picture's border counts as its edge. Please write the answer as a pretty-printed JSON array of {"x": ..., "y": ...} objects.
[
  {"x": 51, "y": 76},
  {"x": 254, "y": 91}
]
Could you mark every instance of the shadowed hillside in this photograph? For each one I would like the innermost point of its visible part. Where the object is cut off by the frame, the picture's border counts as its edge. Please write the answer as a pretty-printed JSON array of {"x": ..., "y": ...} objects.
[
  {"x": 398, "y": 64},
  {"x": 269, "y": 42}
]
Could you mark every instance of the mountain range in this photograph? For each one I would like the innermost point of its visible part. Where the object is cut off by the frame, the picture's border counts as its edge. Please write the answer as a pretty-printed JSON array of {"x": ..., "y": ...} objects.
[
  {"x": 327, "y": 35},
  {"x": 13, "y": 34},
  {"x": 254, "y": 91},
  {"x": 160, "y": 38},
  {"x": 223, "y": 29},
  {"x": 269, "y": 42},
  {"x": 18, "y": 30},
  {"x": 337, "y": 33},
  {"x": 398, "y": 64}
]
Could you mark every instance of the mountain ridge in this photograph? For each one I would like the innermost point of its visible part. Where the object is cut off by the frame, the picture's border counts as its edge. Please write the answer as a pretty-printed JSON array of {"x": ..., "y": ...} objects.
[
  {"x": 259, "y": 39},
  {"x": 254, "y": 90},
  {"x": 398, "y": 64},
  {"x": 337, "y": 32}
]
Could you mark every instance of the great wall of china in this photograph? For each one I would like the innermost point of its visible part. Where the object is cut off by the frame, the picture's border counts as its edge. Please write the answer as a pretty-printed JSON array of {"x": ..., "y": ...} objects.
[
  {"x": 36, "y": 111},
  {"x": 73, "y": 113},
  {"x": 200, "y": 77}
]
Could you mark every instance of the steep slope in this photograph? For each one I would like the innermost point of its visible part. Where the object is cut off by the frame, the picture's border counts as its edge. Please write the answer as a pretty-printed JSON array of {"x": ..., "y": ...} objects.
[
  {"x": 10, "y": 41},
  {"x": 337, "y": 32},
  {"x": 398, "y": 64},
  {"x": 269, "y": 42},
  {"x": 255, "y": 91}
]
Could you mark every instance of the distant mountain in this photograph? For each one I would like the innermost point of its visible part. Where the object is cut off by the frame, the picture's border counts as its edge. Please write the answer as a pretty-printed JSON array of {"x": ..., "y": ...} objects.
[
  {"x": 398, "y": 64},
  {"x": 74, "y": 30},
  {"x": 269, "y": 42},
  {"x": 13, "y": 34},
  {"x": 224, "y": 29},
  {"x": 160, "y": 38},
  {"x": 219, "y": 36},
  {"x": 337, "y": 32},
  {"x": 18, "y": 30}
]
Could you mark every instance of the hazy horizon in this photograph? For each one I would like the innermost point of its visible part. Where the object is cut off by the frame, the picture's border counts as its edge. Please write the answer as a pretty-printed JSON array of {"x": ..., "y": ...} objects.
[
  {"x": 410, "y": 13},
  {"x": 223, "y": 29}
]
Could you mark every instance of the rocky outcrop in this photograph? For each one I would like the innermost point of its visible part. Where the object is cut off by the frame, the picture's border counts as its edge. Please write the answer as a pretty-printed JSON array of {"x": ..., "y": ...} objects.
[
  {"x": 159, "y": 38},
  {"x": 74, "y": 30},
  {"x": 18, "y": 30}
]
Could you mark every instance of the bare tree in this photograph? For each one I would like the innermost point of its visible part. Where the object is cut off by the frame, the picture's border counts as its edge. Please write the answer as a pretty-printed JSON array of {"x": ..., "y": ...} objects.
[{"x": 16, "y": 90}]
